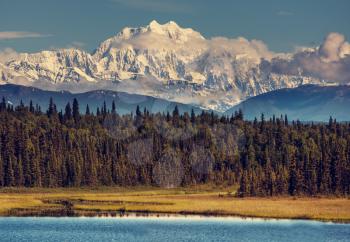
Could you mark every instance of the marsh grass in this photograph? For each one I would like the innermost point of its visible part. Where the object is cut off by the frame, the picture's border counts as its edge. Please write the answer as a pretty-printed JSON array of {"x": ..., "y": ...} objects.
[{"x": 204, "y": 200}]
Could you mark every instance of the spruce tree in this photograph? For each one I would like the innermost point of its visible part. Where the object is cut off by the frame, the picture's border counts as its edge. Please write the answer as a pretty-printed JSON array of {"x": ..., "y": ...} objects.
[
  {"x": 76, "y": 114},
  {"x": 87, "y": 112},
  {"x": 114, "y": 110},
  {"x": 68, "y": 112}
]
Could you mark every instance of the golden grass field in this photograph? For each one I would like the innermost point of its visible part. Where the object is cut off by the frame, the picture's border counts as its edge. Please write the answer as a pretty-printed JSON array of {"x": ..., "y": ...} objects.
[{"x": 150, "y": 200}]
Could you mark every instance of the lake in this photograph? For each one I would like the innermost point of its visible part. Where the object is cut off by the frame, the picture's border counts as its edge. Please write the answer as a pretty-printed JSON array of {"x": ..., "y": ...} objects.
[{"x": 169, "y": 229}]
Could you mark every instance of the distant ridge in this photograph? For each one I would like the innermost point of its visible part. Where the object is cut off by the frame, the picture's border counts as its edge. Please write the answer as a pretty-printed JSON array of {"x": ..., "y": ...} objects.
[
  {"x": 305, "y": 103},
  {"x": 125, "y": 102}
]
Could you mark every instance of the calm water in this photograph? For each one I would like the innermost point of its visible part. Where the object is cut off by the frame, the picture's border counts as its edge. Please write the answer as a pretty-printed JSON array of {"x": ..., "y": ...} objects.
[{"x": 165, "y": 229}]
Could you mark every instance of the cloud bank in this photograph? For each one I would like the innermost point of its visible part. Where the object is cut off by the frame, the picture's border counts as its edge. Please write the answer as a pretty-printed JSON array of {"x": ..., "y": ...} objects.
[
  {"x": 7, "y": 54},
  {"x": 6, "y": 35},
  {"x": 330, "y": 61},
  {"x": 193, "y": 43}
]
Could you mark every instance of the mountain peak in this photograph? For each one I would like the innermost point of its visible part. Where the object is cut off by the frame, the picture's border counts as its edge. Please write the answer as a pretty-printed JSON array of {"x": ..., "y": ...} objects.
[
  {"x": 171, "y": 24},
  {"x": 170, "y": 62},
  {"x": 172, "y": 30},
  {"x": 169, "y": 33},
  {"x": 154, "y": 24}
]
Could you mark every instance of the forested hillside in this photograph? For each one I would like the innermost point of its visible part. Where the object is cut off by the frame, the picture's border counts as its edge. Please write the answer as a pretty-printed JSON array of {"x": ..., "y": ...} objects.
[{"x": 265, "y": 158}]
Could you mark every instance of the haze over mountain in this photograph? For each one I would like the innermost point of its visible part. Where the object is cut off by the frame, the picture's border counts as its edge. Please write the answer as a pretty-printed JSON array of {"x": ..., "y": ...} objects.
[
  {"x": 305, "y": 103},
  {"x": 179, "y": 64},
  {"x": 125, "y": 103}
]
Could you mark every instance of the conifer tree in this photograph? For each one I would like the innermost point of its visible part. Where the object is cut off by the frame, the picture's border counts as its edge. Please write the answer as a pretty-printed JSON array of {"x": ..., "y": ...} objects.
[
  {"x": 68, "y": 112},
  {"x": 76, "y": 114},
  {"x": 87, "y": 112},
  {"x": 114, "y": 109}
]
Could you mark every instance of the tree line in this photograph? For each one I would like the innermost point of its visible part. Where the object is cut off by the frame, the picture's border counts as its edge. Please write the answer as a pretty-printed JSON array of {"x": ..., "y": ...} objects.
[{"x": 70, "y": 148}]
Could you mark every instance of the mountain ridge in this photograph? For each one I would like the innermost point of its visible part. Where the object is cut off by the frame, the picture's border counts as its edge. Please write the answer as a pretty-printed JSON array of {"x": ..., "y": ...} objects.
[
  {"x": 164, "y": 61},
  {"x": 126, "y": 103},
  {"x": 304, "y": 103}
]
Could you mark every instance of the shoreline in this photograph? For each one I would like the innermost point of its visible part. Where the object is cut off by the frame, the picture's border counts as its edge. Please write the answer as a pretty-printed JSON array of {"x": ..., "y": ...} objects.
[
  {"x": 173, "y": 216},
  {"x": 197, "y": 202}
]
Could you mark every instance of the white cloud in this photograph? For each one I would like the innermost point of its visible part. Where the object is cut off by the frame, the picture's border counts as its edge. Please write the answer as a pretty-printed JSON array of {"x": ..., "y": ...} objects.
[
  {"x": 6, "y": 35},
  {"x": 254, "y": 49},
  {"x": 329, "y": 61},
  {"x": 187, "y": 41},
  {"x": 7, "y": 54},
  {"x": 334, "y": 47},
  {"x": 76, "y": 45}
]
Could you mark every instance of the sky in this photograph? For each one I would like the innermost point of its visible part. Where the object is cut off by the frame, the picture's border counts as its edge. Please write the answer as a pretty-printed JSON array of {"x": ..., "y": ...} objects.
[{"x": 34, "y": 25}]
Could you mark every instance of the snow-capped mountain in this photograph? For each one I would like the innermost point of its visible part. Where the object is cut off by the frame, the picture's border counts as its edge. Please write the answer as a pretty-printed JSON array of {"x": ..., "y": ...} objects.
[
  {"x": 164, "y": 61},
  {"x": 57, "y": 66}
]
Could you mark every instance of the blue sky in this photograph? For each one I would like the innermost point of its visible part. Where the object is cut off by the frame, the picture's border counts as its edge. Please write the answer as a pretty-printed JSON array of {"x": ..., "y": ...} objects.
[{"x": 32, "y": 25}]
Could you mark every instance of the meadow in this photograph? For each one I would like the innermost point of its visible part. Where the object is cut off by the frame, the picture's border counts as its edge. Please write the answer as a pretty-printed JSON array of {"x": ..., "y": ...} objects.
[{"x": 151, "y": 201}]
